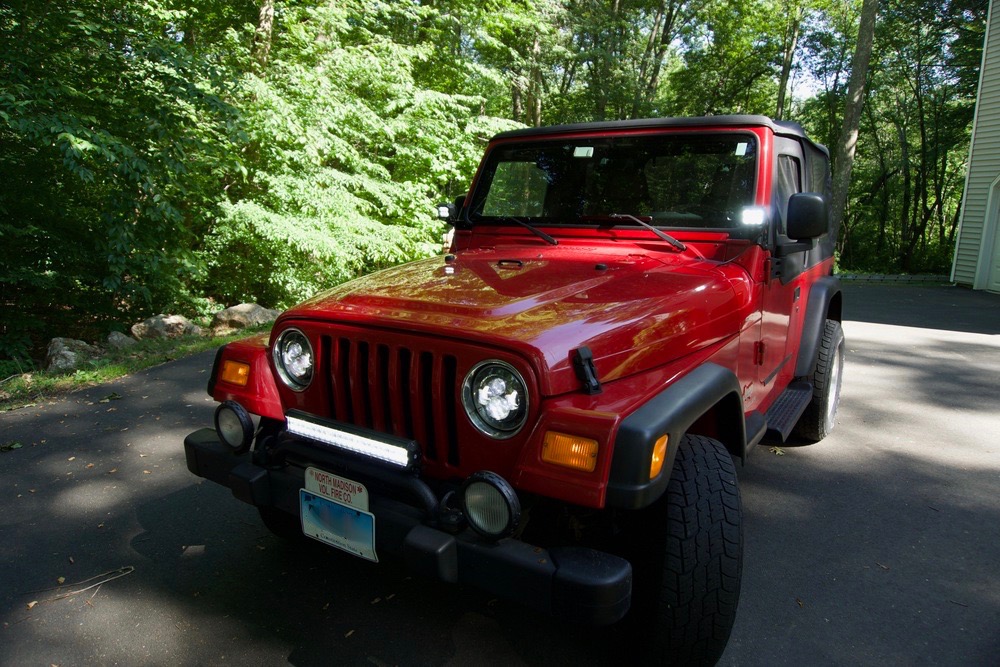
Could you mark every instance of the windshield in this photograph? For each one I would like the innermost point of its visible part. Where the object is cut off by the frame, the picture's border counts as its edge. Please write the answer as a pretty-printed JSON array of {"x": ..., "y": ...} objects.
[{"x": 674, "y": 180}]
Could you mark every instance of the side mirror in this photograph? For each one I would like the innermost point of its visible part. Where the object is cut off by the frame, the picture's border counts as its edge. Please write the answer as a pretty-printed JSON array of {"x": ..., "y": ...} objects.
[
  {"x": 446, "y": 212},
  {"x": 808, "y": 216},
  {"x": 449, "y": 212}
]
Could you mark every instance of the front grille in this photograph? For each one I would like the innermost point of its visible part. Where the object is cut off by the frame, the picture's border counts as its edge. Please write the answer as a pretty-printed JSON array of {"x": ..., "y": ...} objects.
[{"x": 395, "y": 389}]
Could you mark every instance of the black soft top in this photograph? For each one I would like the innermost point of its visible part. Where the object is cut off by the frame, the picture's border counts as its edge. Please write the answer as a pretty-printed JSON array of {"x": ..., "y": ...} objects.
[{"x": 784, "y": 128}]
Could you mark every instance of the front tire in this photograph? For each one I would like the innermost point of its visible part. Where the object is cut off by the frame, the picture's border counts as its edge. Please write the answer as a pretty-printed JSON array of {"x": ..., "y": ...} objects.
[
  {"x": 820, "y": 416},
  {"x": 687, "y": 556}
]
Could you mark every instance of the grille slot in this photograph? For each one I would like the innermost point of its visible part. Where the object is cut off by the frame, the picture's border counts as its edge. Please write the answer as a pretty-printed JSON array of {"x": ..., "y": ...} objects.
[
  {"x": 450, "y": 400},
  {"x": 426, "y": 400},
  {"x": 394, "y": 389}
]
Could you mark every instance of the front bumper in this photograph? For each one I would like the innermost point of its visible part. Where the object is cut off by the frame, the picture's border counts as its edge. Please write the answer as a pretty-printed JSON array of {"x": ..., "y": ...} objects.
[{"x": 577, "y": 584}]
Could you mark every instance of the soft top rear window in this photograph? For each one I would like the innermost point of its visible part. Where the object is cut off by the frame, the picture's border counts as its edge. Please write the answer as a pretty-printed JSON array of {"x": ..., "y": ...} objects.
[{"x": 682, "y": 180}]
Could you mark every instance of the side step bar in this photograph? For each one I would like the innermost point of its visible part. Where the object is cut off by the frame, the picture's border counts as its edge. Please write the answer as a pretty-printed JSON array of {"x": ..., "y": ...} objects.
[{"x": 785, "y": 412}]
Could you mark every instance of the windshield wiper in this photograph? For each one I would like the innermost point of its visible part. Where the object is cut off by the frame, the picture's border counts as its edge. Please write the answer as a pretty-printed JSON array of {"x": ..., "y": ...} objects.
[
  {"x": 659, "y": 232},
  {"x": 534, "y": 230}
]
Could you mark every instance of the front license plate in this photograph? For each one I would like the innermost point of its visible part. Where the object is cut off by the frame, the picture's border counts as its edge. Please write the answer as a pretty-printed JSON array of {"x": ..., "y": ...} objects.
[{"x": 341, "y": 526}]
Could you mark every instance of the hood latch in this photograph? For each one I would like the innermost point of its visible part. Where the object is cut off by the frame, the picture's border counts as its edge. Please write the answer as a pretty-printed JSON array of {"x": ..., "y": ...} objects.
[{"x": 583, "y": 363}]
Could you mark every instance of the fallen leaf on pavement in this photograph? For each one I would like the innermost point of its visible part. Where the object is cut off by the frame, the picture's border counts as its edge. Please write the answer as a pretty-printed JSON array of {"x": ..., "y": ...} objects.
[
  {"x": 777, "y": 451},
  {"x": 31, "y": 605},
  {"x": 61, "y": 580}
]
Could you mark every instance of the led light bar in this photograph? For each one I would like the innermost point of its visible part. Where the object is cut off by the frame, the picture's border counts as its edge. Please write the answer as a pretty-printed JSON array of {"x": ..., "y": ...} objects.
[{"x": 385, "y": 448}]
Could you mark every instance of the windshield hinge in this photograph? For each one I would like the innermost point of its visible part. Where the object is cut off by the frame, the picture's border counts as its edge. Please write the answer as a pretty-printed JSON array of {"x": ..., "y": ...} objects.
[{"x": 583, "y": 363}]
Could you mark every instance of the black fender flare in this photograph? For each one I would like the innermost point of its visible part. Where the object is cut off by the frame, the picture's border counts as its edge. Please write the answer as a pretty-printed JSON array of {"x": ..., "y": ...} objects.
[
  {"x": 671, "y": 413},
  {"x": 824, "y": 303}
]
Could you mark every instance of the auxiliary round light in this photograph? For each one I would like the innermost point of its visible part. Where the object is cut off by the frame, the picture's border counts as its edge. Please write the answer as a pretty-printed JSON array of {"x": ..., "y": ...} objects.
[
  {"x": 293, "y": 357},
  {"x": 490, "y": 504},
  {"x": 495, "y": 398},
  {"x": 234, "y": 426}
]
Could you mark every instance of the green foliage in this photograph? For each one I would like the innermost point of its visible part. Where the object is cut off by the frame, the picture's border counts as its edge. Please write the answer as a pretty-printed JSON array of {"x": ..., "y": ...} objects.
[
  {"x": 907, "y": 183},
  {"x": 112, "y": 132},
  {"x": 347, "y": 156},
  {"x": 729, "y": 64}
]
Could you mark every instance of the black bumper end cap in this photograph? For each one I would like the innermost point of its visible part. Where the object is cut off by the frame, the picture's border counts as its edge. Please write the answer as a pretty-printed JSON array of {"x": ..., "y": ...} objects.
[
  {"x": 207, "y": 456},
  {"x": 250, "y": 484},
  {"x": 590, "y": 586},
  {"x": 432, "y": 553},
  {"x": 212, "y": 459}
]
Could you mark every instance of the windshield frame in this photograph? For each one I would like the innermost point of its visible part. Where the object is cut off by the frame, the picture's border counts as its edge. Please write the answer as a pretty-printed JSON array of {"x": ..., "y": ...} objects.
[{"x": 750, "y": 191}]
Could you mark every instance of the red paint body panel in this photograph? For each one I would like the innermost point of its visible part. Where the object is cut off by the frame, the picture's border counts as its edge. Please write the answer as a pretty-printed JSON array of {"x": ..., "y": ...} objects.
[
  {"x": 643, "y": 309},
  {"x": 260, "y": 395}
]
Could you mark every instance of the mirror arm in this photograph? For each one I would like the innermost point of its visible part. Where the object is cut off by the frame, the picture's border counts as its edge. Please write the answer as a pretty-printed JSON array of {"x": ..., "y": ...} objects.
[{"x": 786, "y": 249}]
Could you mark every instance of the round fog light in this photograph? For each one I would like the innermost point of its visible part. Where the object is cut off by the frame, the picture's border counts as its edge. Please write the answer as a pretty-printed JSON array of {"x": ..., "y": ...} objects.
[
  {"x": 234, "y": 426},
  {"x": 491, "y": 505}
]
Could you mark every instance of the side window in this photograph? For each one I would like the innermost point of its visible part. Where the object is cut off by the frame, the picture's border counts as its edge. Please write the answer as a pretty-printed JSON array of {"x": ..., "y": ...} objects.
[
  {"x": 819, "y": 172},
  {"x": 788, "y": 181},
  {"x": 518, "y": 189}
]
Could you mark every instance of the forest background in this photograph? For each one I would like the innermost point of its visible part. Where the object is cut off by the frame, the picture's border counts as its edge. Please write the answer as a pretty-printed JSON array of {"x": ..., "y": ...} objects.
[{"x": 185, "y": 155}]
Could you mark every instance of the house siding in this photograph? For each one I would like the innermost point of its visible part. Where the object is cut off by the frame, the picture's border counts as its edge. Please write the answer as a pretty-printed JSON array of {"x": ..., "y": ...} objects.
[{"x": 984, "y": 163}]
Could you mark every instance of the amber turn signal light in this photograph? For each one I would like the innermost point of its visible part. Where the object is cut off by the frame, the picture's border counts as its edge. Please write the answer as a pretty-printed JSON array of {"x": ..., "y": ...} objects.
[
  {"x": 235, "y": 372},
  {"x": 570, "y": 451},
  {"x": 659, "y": 456}
]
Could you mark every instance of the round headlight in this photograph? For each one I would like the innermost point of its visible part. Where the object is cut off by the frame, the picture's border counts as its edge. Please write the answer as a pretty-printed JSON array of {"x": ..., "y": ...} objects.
[
  {"x": 491, "y": 505},
  {"x": 495, "y": 398},
  {"x": 293, "y": 357}
]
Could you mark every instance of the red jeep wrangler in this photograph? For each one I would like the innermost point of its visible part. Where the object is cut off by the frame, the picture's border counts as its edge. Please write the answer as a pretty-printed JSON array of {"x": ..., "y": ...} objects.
[{"x": 551, "y": 411}]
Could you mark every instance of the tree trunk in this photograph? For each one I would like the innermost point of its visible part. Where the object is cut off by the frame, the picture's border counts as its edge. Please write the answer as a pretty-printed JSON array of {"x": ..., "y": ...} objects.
[
  {"x": 535, "y": 83},
  {"x": 904, "y": 217},
  {"x": 262, "y": 37},
  {"x": 846, "y": 146},
  {"x": 517, "y": 100},
  {"x": 646, "y": 63},
  {"x": 668, "y": 32},
  {"x": 791, "y": 39}
]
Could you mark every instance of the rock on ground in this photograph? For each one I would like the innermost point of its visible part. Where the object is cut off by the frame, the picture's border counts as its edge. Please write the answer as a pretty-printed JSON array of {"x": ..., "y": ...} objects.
[
  {"x": 117, "y": 340},
  {"x": 240, "y": 317},
  {"x": 67, "y": 354},
  {"x": 165, "y": 326}
]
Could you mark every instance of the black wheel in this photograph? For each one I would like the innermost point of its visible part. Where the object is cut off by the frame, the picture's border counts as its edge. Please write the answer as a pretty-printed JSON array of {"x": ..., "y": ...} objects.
[
  {"x": 282, "y": 524},
  {"x": 687, "y": 558},
  {"x": 818, "y": 419}
]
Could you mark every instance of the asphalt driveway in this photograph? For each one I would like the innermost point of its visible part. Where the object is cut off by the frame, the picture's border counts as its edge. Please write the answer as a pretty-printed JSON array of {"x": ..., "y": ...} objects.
[{"x": 878, "y": 545}]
